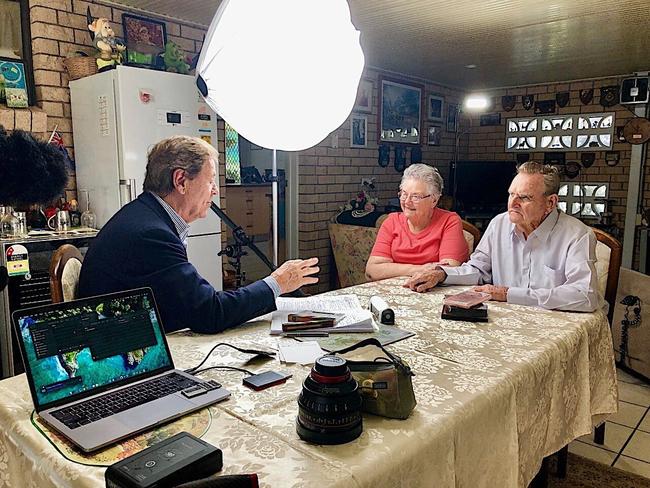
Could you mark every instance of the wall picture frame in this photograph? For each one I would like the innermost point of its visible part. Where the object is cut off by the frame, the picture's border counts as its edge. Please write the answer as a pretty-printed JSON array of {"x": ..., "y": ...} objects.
[
  {"x": 452, "y": 117},
  {"x": 145, "y": 40},
  {"x": 435, "y": 108},
  {"x": 363, "y": 103},
  {"x": 358, "y": 131},
  {"x": 433, "y": 135},
  {"x": 400, "y": 112},
  {"x": 14, "y": 87}
]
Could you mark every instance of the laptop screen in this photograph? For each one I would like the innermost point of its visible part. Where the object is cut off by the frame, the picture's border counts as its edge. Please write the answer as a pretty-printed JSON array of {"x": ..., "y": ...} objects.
[{"x": 83, "y": 346}]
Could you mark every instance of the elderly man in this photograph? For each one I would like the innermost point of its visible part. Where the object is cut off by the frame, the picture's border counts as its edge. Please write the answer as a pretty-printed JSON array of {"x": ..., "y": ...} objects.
[
  {"x": 532, "y": 255},
  {"x": 144, "y": 245}
]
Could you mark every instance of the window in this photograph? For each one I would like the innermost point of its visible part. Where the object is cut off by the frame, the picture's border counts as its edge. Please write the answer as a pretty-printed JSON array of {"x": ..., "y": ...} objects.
[
  {"x": 584, "y": 132},
  {"x": 583, "y": 200},
  {"x": 15, "y": 38},
  {"x": 233, "y": 166}
]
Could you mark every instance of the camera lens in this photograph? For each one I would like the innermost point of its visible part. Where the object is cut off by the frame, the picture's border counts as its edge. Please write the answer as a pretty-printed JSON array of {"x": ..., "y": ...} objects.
[{"x": 329, "y": 406}]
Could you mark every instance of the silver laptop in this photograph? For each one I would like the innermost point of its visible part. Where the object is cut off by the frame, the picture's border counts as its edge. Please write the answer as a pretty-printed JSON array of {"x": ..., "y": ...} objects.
[{"x": 100, "y": 370}]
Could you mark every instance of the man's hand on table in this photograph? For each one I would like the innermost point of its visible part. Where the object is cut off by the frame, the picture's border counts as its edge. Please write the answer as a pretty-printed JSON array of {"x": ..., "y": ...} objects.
[
  {"x": 499, "y": 293},
  {"x": 296, "y": 273},
  {"x": 426, "y": 279}
]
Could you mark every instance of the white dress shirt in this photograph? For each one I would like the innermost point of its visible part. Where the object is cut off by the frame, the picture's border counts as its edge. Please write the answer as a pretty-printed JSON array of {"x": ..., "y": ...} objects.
[{"x": 552, "y": 269}]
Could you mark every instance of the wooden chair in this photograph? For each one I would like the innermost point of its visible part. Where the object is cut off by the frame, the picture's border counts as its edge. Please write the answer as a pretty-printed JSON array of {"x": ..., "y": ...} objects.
[
  {"x": 475, "y": 234},
  {"x": 65, "y": 267},
  {"x": 608, "y": 264}
]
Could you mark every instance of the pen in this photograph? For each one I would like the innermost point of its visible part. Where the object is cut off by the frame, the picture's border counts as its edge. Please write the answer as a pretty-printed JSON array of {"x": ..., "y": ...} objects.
[{"x": 305, "y": 334}]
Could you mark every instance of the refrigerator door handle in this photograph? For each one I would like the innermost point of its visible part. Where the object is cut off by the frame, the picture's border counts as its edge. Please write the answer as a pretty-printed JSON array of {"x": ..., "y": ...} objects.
[{"x": 130, "y": 185}]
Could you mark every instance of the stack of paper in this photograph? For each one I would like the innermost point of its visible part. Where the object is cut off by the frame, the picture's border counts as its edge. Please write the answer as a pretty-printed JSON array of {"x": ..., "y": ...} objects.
[
  {"x": 299, "y": 352},
  {"x": 356, "y": 319}
]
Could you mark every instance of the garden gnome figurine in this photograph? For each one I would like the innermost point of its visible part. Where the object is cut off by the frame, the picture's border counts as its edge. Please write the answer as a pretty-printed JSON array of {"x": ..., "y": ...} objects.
[{"x": 110, "y": 49}]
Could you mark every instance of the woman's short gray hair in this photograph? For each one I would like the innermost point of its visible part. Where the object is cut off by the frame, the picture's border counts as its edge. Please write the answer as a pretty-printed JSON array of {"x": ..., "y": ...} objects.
[
  {"x": 176, "y": 152},
  {"x": 550, "y": 173},
  {"x": 426, "y": 173}
]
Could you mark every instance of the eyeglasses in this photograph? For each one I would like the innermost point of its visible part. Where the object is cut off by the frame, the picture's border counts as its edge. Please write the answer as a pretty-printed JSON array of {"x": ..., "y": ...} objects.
[{"x": 415, "y": 198}]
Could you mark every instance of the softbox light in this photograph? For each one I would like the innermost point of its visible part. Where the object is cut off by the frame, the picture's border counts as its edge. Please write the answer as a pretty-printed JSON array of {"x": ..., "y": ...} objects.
[{"x": 283, "y": 73}]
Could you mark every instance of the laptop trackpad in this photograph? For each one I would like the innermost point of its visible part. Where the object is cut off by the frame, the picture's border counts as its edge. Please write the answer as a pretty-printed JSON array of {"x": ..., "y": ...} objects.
[{"x": 152, "y": 412}]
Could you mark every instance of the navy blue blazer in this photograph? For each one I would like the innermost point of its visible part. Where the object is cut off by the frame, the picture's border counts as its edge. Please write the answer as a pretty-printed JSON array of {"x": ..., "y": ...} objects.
[{"x": 139, "y": 247}]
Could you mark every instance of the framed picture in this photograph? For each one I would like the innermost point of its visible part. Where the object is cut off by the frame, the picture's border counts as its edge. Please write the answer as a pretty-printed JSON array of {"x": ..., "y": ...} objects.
[
  {"x": 363, "y": 102},
  {"x": 433, "y": 136},
  {"x": 400, "y": 112},
  {"x": 358, "y": 131},
  {"x": 452, "y": 116},
  {"x": 145, "y": 39},
  {"x": 14, "y": 87},
  {"x": 435, "y": 106}
]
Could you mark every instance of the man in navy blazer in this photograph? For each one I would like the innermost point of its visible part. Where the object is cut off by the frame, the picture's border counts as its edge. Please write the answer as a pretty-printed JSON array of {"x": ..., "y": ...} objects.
[{"x": 144, "y": 245}]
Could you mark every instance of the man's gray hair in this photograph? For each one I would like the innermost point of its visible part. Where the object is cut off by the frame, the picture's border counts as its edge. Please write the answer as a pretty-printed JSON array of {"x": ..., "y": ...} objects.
[
  {"x": 550, "y": 173},
  {"x": 176, "y": 152},
  {"x": 426, "y": 173}
]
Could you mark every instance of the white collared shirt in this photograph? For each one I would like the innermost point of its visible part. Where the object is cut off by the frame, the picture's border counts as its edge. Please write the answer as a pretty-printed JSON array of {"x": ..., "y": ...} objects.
[{"x": 553, "y": 268}]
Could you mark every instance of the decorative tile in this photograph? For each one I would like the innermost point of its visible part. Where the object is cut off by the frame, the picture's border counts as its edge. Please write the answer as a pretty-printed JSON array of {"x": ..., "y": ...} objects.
[
  {"x": 638, "y": 394},
  {"x": 615, "y": 437},
  {"x": 633, "y": 466},
  {"x": 628, "y": 414},
  {"x": 639, "y": 446},
  {"x": 588, "y": 451}
]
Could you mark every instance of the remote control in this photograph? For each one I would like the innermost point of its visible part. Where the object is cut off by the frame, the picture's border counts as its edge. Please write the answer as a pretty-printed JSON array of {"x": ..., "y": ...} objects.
[{"x": 176, "y": 460}]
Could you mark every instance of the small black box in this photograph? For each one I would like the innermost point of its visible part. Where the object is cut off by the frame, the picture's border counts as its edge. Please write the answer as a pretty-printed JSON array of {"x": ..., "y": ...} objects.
[
  {"x": 478, "y": 313},
  {"x": 176, "y": 460}
]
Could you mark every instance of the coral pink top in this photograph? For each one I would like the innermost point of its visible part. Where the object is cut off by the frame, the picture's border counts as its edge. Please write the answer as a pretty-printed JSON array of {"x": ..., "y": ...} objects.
[{"x": 442, "y": 239}]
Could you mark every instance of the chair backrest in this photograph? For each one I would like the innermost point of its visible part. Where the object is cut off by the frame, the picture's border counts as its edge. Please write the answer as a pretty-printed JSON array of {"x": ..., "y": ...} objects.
[
  {"x": 608, "y": 264},
  {"x": 65, "y": 267},
  {"x": 472, "y": 235}
]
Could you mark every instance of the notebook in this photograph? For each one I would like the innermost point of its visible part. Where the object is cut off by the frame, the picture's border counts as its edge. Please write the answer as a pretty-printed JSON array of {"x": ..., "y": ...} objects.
[{"x": 100, "y": 370}]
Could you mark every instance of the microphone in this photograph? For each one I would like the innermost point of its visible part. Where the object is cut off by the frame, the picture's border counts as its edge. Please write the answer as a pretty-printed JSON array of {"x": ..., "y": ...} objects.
[
  {"x": 381, "y": 310},
  {"x": 32, "y": 171}
]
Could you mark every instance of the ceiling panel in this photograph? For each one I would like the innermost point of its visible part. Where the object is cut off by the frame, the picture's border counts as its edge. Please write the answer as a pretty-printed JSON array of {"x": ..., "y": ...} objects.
[{"x": 511, "y": 42}]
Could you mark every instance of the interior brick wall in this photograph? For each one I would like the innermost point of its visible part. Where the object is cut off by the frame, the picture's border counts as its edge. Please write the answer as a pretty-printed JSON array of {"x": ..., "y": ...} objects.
[
  {"x": 489, "y": 142},
  {"x": 331, "y": 176}
]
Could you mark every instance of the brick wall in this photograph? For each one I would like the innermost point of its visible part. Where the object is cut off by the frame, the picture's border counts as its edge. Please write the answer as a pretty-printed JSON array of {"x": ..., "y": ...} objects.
[
  {"x": 331, "y": 176},
  {"x": 59, "y": 28},
  {"x": 488, "y": 143}
]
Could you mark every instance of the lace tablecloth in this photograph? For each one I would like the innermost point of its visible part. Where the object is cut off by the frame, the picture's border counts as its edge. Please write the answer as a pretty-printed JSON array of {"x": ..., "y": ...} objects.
[{"x": 493, "y": 399}]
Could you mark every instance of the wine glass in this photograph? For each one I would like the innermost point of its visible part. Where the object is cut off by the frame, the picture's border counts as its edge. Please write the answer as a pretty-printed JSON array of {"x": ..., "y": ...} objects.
[{"x": 88, "y": 217}]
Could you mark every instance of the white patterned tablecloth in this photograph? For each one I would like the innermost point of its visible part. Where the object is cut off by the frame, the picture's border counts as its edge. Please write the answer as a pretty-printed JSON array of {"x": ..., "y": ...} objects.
[{"x": 493, "y": 399}]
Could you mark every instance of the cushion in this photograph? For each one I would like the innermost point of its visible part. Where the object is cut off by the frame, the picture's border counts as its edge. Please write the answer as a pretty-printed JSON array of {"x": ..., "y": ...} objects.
[
  {"x": 602, "y": 265},
  {"x": 70, "y": 279}
]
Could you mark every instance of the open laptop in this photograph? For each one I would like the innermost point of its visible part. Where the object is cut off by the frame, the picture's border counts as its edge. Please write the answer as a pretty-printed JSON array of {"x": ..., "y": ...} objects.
[{"x": 100, "y": 370}]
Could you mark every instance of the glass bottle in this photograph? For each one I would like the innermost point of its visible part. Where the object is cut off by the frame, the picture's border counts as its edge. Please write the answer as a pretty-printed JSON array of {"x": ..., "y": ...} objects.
[
  {"x": 88, "y": 217},
  {"x": 9, "y": 225}
]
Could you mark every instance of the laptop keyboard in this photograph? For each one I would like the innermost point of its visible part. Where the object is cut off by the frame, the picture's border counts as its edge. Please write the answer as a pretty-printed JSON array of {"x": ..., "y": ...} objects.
[{"x": 117, "y": 401}]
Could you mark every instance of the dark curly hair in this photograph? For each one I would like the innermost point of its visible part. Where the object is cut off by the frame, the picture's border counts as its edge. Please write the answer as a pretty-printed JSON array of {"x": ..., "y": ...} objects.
[{"x": 32, "y": 171}]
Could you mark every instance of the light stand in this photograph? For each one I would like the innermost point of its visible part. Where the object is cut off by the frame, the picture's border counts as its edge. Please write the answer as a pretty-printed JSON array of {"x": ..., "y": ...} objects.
[{"x": 235, "y": 251}]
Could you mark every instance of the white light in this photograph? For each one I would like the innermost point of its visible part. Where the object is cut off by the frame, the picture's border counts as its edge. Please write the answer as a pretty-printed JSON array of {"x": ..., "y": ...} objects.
[
  {"x": 476, "y": 102},
  {"x": 283, "y": 73}
]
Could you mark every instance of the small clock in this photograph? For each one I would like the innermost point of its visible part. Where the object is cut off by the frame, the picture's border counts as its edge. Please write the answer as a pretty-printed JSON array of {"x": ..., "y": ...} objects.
[{"x": 637, "y": 130}]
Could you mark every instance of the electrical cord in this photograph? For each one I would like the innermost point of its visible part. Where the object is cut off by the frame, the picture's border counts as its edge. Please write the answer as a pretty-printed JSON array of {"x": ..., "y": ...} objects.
[
  {"x": 199, "y": 371},
  {"x": 255, "y": 352}
]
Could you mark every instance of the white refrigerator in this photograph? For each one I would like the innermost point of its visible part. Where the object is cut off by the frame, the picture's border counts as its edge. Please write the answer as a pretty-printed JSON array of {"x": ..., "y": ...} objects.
[{"x": 117, "y": 116}]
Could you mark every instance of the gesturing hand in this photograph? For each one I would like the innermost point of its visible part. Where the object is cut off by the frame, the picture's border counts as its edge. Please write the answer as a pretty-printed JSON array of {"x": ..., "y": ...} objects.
[
  {"x": 296, "y": 273},
  {"x": 425, "y": 279},
  {"x": 499, "y": 293}
]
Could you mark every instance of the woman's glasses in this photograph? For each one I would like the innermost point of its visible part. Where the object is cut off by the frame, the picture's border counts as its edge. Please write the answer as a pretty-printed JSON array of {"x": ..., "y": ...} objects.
[{"x": 415, "y": 198}]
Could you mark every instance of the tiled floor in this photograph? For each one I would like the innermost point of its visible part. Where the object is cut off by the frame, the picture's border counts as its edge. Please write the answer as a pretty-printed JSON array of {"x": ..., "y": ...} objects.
[{"x": 627, "y": 434}]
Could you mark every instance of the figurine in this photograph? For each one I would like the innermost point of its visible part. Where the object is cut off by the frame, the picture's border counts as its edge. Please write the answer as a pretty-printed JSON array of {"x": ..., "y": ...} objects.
[
  {"x": 174, "y": 59},
  {"x": 109, "y": 47}
]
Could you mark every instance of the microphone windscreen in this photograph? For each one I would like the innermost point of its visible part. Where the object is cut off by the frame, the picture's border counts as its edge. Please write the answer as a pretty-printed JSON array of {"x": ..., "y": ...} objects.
[{"x": 32, "y": 170}]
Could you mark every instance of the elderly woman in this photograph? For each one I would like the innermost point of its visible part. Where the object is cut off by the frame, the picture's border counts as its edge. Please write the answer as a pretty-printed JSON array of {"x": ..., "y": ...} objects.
[{"x": 421, "y": 234}]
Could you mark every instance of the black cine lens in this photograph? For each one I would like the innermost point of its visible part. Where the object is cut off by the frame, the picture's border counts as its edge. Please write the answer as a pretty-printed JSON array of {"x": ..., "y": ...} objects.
[{"x": 329, "y": 406}]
